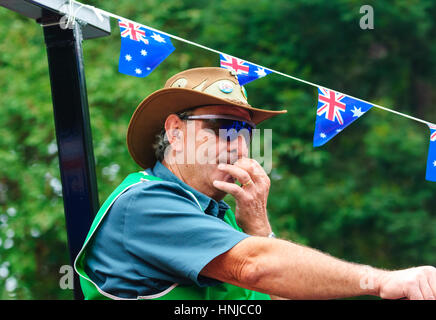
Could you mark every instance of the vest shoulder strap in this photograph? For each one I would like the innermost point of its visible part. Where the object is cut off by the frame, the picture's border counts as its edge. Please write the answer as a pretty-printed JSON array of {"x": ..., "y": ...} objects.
[{"x": 131, "y": 180}]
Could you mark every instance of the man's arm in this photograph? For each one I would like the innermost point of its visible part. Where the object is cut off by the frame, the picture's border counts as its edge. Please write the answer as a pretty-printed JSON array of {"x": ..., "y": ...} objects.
[{"x": 286, "y": 269}]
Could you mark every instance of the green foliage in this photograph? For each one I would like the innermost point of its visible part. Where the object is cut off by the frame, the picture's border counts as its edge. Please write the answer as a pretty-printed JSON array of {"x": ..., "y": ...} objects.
[{"x": 361, "y": 197}]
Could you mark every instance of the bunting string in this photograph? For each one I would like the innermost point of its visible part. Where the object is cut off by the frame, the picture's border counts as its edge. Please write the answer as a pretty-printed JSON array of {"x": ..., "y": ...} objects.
[
  {"x": 110, "y": 14},
  {"x": 335, "y": 110}
]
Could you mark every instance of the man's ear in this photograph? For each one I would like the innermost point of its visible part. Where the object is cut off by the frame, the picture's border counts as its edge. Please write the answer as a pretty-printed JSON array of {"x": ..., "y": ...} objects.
[{"x": 174, "y": 128}]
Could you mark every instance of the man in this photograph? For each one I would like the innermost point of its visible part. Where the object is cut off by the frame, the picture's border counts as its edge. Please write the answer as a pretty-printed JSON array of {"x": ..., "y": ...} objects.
[{"x": 165, "y": 232}]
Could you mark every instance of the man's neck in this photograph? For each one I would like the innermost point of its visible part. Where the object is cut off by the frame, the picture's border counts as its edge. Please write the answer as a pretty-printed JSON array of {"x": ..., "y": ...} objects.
[{"x": 175, "y": 169}]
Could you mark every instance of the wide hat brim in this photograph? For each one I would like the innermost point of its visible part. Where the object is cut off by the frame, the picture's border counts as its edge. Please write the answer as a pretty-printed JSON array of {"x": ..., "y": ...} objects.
[{"x": 150, "y": 115}]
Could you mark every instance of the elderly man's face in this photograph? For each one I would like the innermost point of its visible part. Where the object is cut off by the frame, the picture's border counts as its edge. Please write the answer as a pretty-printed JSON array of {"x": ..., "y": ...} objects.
[
  {"x": 210, "y": 150},
  {"x": 214, "y": 148}
]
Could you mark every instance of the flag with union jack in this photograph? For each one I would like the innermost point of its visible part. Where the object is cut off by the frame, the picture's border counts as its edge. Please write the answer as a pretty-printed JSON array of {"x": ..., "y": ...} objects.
[
  {"x": 142, "y": 49},
  {"x": 335, "y": 111},
  {"x": 245, "y": 71},
  {"x": 431, "y": 160}
]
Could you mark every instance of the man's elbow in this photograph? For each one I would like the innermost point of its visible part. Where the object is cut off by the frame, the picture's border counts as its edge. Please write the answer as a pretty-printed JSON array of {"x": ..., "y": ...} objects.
[
  {"x": 253, "y": 266},
  {"x": 251, "y": 274},
  {"x": 241, "y": 266}
]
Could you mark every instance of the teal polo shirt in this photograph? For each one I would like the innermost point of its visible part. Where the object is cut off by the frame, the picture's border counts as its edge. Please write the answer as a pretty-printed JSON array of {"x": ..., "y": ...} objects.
[{"x": 155, "y": 234}]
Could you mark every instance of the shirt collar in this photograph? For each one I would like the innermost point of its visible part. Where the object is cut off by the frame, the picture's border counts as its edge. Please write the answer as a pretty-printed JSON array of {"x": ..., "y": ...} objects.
[{"x": 208, "y": 205}]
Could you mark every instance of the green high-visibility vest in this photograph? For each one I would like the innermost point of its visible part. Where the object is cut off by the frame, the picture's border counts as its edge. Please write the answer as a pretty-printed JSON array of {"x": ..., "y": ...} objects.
[{"x": 223, "y": 291}]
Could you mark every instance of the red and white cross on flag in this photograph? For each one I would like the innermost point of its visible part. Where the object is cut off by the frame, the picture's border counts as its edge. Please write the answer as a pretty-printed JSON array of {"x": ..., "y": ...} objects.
[
  {"x": 231, "y": 63},
  {"x": 433, "y": 133},
  {"x": 133, "y": 31},
  {"x": 331, "y": 105}
]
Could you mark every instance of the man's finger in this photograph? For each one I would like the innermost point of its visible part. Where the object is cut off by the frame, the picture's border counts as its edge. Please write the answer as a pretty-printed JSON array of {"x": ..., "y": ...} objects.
[
  {"x": 414, "y": 293},
  {"x": 425, "y": 289},
  {"x": 236, "y": 172},
  {"x": 256, "y": 172},
  {"x": 231, "y": 188},
  {"x": 432, "y": 282},
  {"x": 253, "y": 168}
]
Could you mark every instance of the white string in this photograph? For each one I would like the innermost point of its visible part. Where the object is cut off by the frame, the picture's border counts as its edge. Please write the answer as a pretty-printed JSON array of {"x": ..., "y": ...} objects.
[
  {"x": 110, "y": 14},
  {"x": 71, "y": 14}
]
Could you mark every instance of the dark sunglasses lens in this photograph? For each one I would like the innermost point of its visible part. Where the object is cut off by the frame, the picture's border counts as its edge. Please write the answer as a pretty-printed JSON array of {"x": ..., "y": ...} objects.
[{"x": 232, "y": 128}]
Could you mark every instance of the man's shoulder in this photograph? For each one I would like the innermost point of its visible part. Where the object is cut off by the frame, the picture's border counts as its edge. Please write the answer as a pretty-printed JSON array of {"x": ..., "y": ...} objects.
[
  {"x": 154, "y": 186},
  {"x": 155, "y": 193}
]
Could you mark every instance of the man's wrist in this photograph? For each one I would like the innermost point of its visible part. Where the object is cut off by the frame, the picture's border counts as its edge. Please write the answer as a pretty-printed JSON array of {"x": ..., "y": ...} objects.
[
  {"x": 370, "y": 280},
  {"x": 260, "y": 233},
  {"x": 259, "y": 229}
]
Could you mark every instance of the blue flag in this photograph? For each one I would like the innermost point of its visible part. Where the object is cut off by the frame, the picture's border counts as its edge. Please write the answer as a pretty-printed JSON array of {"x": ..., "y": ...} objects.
[
  {"x": 431, "y": 160},
  {"x": 142, "y": 49},
  {"x": 245, "y": 71},
  {"x": 335, "y": 111}
]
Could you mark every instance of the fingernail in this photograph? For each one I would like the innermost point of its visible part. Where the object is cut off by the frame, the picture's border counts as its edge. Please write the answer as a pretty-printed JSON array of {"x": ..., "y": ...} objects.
[{"x": 221, "y": 166}]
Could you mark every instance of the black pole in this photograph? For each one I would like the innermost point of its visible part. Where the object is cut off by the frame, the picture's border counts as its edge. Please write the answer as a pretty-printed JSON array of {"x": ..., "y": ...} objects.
[{"x": 73, "y": 134}]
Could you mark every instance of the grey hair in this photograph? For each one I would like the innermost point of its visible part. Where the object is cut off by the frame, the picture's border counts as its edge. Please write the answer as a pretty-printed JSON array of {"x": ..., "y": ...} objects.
[{"x": 161, "y": 142}]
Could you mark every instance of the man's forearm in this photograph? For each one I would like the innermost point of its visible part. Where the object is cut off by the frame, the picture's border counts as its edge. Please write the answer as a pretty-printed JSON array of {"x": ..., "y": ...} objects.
[{"x": 290, "y": 270}]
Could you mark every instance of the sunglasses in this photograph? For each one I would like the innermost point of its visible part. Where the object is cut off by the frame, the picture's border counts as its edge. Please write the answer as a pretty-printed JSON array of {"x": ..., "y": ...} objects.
[{"x": 232, "y": 127}]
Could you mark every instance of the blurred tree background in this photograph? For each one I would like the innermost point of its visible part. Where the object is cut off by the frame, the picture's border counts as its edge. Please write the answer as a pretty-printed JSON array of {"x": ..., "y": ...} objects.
[{"x": 361, "y": 197}]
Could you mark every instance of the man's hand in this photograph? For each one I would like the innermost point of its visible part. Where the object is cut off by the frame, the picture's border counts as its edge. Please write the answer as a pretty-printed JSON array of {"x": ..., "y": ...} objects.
[
  {"x": 251, "y": 197},
  {"x": 414, "y": 284}
]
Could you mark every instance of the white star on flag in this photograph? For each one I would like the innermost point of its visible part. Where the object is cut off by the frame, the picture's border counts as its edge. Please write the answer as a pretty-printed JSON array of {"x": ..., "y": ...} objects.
[
  {"x": 260, "y": 72},
  {"x": 142, "y": 49},
  {"x": 322, "y": 135},
  {"x": 434, "y": 163},
  {"x": 157, "y": 37},
  {"x": 357, "y": 112}
]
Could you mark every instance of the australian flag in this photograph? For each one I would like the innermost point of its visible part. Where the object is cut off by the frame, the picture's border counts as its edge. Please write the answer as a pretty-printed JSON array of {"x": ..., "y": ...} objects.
[
  {"x": 431, "y": 160},
  {"x": 142, "y": 49},
  {"x": 335, "y": 111},
  {"x": 245, "y": 71}
]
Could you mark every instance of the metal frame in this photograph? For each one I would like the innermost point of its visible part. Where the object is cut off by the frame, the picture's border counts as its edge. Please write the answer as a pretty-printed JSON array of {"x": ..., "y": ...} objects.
[{"x": 70, "y": 108}]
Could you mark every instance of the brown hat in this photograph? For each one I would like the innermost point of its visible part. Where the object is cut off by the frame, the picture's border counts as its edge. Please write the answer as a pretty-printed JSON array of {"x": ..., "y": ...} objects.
[{"x": 185, "y": 90}]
